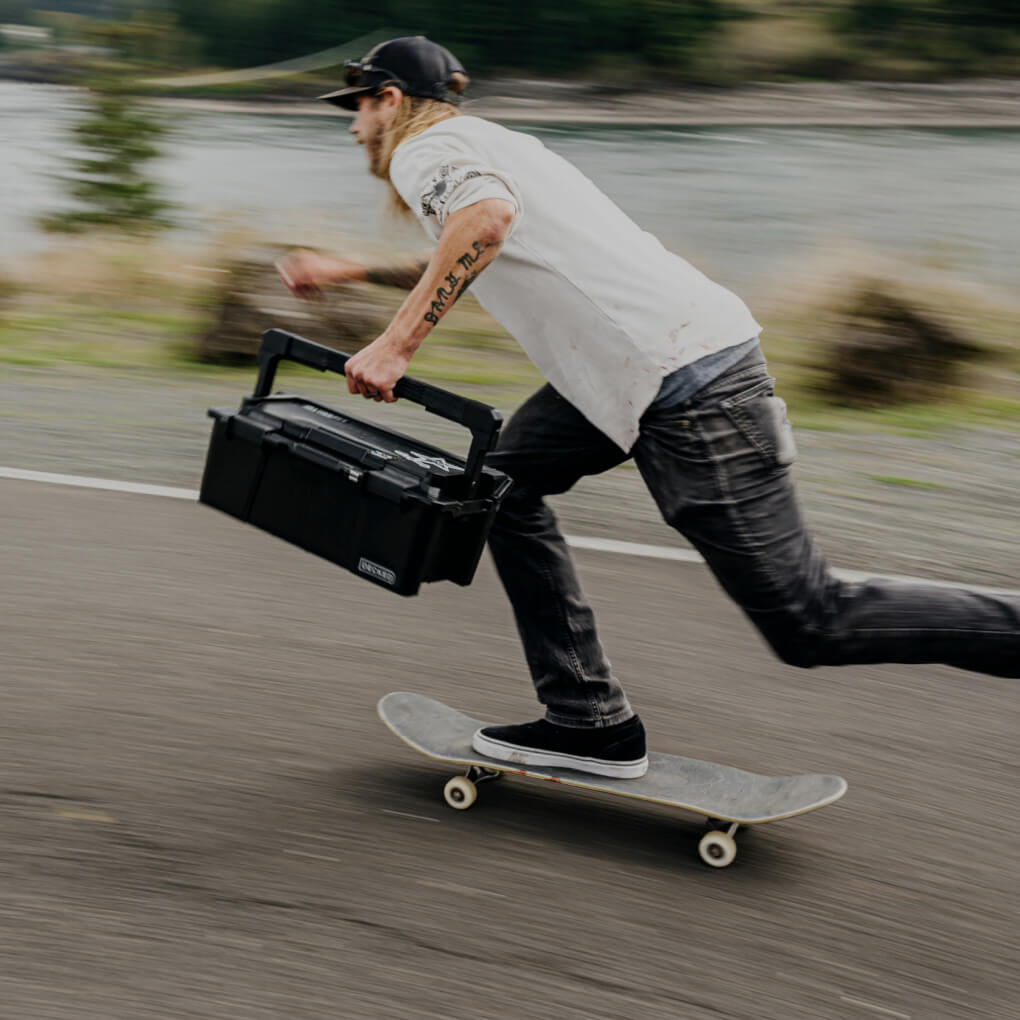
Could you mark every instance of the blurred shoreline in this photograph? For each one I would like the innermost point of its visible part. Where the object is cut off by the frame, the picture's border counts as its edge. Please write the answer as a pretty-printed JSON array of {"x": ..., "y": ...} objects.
[
  {"x": 973, "y": 103},
  {"x": 964, "y": 104}
]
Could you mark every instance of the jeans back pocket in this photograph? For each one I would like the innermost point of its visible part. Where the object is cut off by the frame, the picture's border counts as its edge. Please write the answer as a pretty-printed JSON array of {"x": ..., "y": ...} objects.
[{"x": 762, "y": 420}]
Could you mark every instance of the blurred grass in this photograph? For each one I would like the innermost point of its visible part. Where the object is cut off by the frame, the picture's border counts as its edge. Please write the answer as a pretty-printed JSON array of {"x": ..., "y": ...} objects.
[
  {"x": 140, "y": 306},
  {"x": 906, "y": 483},
  {"x": 134, "y": 306}
]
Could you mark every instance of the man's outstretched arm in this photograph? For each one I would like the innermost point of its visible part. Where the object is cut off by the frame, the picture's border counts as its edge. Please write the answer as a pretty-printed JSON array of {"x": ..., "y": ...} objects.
[
  {"x": 404, "y": 274},
  {"x": 471, "y": 239},
  {"x": 306, "y": 272}
]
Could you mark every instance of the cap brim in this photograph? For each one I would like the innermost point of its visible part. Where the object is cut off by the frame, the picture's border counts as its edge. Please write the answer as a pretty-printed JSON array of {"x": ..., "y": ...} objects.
[{"x": 347, "y": 98}]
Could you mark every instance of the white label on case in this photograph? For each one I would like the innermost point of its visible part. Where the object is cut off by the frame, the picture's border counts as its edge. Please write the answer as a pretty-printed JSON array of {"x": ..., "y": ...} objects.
[{"x": 383, "y": 574}]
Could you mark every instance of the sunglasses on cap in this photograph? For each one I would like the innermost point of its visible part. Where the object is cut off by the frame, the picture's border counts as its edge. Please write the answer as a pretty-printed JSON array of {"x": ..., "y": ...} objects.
[{"x": 355, "y": 71}]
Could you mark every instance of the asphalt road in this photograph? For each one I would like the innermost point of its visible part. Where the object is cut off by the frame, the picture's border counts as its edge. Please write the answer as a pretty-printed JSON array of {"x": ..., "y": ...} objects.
[{"x": 202, "y": 816}]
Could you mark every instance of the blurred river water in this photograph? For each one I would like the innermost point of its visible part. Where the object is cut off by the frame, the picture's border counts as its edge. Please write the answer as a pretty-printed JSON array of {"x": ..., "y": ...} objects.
[{"x": 741, "y": 203}]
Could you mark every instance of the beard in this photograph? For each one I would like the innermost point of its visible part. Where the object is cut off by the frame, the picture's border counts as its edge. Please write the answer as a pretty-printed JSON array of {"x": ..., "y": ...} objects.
[{"x": 374, "y": 150}]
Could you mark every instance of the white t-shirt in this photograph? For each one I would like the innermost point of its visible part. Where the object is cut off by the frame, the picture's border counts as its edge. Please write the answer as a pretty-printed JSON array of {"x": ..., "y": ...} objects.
[{"x": 600, "y": 306}]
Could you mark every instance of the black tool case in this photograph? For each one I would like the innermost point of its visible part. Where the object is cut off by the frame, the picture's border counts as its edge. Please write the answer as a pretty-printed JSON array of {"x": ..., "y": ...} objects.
[{"x": 383, "y": 505}]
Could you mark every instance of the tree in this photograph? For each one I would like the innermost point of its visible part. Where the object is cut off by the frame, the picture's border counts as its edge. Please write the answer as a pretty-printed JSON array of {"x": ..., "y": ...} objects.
[
  {"x": 528, "y": 35},
  {"x": 109, "y": 184}
]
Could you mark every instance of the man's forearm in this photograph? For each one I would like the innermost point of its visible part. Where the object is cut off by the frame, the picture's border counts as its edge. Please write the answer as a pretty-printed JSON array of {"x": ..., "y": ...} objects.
[{"x": 470, "y": 240}]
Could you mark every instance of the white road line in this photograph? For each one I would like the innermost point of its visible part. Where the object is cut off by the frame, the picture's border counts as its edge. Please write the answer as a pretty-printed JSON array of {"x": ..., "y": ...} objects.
[
  {"x": 872, "y": 1006},
  {"x": 655, "y": 552},
  {"x": 111, "y": 484},
  {"x": 607, "y": 545}
]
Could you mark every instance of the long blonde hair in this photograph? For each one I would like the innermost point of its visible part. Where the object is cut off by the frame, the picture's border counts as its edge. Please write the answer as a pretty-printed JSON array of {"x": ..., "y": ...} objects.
[{"x": 414, "y": 115}]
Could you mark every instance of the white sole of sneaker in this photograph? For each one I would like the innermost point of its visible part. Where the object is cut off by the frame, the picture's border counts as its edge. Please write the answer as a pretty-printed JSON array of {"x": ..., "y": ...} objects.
[{"x": 514, "y": 754}]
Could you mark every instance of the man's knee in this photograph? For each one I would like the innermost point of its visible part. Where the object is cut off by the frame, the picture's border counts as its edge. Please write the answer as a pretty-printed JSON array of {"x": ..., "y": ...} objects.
[{"x": 796, "y": 638}]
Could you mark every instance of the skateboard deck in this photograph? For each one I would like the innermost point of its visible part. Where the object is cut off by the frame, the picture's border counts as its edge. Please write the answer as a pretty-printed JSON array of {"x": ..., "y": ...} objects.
[{"x": 727, "y": 796}]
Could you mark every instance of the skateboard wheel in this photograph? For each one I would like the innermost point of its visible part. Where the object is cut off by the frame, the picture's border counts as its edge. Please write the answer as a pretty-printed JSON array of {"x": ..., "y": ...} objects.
[
  {"x": 717, "y": 849},
  {"x": 460, "y": 793}
]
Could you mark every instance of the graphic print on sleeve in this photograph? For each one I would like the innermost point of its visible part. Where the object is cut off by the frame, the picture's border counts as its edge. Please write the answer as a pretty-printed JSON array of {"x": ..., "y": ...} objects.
[{"x": 444, "y": 182}]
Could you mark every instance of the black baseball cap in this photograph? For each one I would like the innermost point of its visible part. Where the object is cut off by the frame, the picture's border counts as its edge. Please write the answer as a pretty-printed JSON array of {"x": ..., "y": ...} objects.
[{"x": 416, "y": 65}]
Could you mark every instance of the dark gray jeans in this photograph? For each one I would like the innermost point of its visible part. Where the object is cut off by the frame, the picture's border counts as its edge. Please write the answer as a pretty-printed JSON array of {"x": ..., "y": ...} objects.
[{"x": 718, "y": 468}]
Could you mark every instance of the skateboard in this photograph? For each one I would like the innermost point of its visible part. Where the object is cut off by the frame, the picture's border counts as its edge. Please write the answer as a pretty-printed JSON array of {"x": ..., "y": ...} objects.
[{"x": 728, "y": 797}]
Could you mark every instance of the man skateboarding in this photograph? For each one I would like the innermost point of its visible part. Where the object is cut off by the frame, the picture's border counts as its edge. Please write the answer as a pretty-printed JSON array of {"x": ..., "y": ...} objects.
[{"x": 645, "y": 358}]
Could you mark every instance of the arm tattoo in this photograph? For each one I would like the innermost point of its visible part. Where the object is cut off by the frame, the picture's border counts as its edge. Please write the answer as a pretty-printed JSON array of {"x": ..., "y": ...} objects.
[
  {"x": 404, "y": 275},
  {"x": 454, "y": 285}
]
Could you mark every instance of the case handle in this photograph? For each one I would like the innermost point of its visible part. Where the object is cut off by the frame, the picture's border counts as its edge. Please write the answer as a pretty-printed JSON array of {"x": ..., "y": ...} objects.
[{"x": 483, "y": 421}]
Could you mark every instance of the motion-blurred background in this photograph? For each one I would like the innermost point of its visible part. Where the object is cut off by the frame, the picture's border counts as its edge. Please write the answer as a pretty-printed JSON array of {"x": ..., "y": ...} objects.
[
  {"x": 201, "y": 816},
  {"x": 848, "y": 167}
]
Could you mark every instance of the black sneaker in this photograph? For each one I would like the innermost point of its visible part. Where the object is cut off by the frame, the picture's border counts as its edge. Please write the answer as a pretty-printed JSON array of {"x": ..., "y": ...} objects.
[{"x": 616, "y": 751}]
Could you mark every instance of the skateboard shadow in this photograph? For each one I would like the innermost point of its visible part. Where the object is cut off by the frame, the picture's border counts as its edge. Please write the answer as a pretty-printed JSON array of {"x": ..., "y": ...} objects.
[{"x": 577, "y": 822}]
